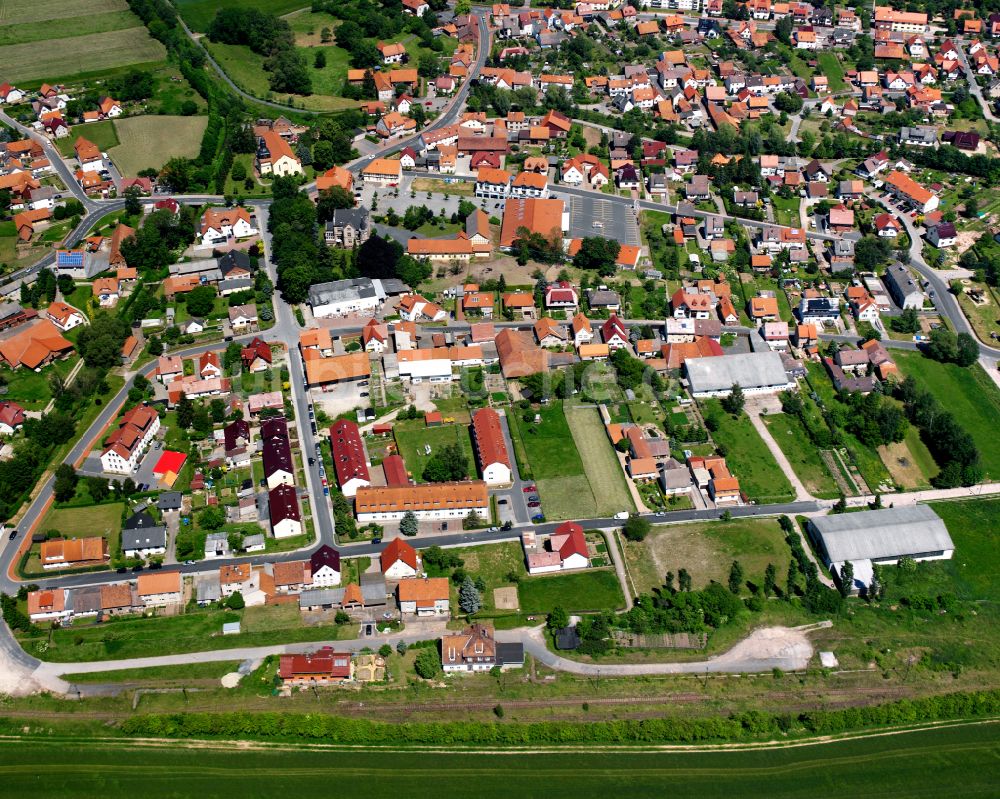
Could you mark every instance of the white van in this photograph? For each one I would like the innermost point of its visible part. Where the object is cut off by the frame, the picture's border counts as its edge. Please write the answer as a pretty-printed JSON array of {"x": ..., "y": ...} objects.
[{"x": 621, "y": 515}]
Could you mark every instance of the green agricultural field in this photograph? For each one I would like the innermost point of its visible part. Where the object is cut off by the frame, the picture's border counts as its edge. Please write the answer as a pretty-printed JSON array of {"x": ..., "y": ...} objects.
[
  {"x": 748, "y": 457},
  {"x": 198, "y": 14},
  {"x": 829, "y": 65},
  {"x": 957, "y": 761},
  {"x": 40, "y": 30},
  {"x": 593, "y": 589},
  {"x": 969, "y": 394},
  {"x": 607, "y": 480},
  {"x": 411, "y": 436},
  {"x": 151, "y": 141},
  {"x": 66, "y": 57},
  {"x": 805, "y": 460},
  {"x": 100, "y": 133},
  {"x": 706, "y": 550}
]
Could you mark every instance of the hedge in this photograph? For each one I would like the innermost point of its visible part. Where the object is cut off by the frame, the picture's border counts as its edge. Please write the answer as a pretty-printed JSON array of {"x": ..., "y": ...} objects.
[{"x": 738, "y": 727}]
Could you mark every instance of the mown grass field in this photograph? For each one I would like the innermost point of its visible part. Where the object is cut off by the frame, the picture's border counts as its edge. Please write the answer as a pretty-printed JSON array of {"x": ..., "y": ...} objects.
[
  {"x": 68, "y": 49},
  {"x": 592, "y": 589},
  {"x": 151, "y": 141},
  {"x": 411, "y": 436},
  {"x": 105, "y": 520},
  {"x": 706, "y": 550},
  {"x": 198, "y": 14},
  {"x": 955, "y": 761},
  {"x": 554, "y": 464},
  {"x": 493, "y": 563},
  {"x": 37, "y": 28},
  {"x": 32, "y": 389},
  {"x": 969, "y": 394},
  {"x": 809, "y": 467},
  {"x": 607, "y": 480},
  {"x": 182, "y": 673},
  {"x": 748, "y": 457}
]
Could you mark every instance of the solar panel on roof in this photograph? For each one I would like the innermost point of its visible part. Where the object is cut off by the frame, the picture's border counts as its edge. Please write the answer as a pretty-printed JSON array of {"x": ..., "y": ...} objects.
[{"x": 73, "y": 258}]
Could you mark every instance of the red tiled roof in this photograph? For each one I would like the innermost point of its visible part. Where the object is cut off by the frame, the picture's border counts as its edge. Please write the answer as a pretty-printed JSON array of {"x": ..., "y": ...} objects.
[
  {"x": 488, "y": 435},
  {"x": 348, "y": 452}
]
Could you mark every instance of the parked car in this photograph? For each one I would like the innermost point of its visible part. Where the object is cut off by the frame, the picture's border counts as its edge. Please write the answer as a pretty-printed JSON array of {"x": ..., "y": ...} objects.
[
  {"x": 530, "y": 489},
  {"x": 534, "y": 504},
  {"x": 533, "y": 498},
  {"x": 12, "y": 536}
]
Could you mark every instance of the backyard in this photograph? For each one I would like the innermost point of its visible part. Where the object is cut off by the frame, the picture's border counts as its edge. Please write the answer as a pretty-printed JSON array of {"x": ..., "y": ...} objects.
[
  {"x": 413, "y": 436},
  {"x": 749, "y": 459},
  {"x": 604, "y": 472}
]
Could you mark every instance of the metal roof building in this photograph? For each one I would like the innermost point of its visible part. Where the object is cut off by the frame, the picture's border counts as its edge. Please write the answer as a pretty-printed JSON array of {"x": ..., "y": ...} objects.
[
  {"x": 756, "y": 373},
  {"x": 880, "y": 536}
]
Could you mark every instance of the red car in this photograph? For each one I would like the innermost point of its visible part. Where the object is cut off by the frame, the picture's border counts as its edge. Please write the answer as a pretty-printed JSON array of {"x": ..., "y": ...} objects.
[
  {"x": 534, "y": 504},
  {"x": 529, "y": 489}
]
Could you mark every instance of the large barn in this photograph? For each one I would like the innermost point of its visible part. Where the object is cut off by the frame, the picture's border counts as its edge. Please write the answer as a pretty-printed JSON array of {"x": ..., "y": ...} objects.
[{"x": 880, "y": 536}]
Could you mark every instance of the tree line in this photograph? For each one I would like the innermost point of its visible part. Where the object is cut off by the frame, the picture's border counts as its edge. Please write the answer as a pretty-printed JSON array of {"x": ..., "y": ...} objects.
[{"x": 743, "y": 726}]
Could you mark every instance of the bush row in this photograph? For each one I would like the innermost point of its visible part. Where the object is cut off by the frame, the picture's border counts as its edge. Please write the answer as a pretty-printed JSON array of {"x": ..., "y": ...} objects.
[{"x": 738, "y": 727}]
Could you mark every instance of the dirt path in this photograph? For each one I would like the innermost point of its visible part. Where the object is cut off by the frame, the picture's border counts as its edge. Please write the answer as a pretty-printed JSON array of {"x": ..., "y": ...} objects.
[{"x": 801, "y": 495}]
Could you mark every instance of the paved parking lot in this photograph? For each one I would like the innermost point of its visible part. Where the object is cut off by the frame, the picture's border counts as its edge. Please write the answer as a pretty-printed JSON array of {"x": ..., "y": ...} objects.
[{"x": 616, "y": 220}]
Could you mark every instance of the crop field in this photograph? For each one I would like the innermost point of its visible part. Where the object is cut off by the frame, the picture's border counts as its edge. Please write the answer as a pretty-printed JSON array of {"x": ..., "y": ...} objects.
[
  {"x": 971, "y": 397},
  {"x": 66, "y": 57},
  {"x": 956, "y": 761},
  {"x": 198, "y": 14},
  {"x": 38, "y": 29},
  {"x": 151, "y": 141},
  {"x": 607, "y": 480},
  {"x": 706, "y": 550}
]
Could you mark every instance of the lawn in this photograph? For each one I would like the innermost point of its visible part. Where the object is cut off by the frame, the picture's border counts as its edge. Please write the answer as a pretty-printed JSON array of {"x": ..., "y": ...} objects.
[
  {"x": 151, "y": 141},
  {"x": 196, "y": 631},
  {"x": 100, "y": 133},
  {"x": 829, "y": 65},
  {"x": 953, "y": 760},
  {"x": 90, "y": 53},
  {"x": 706, "y": 550},
  {"x": 491, "y": 562},
  {"x": 809, "y": 467},
  {"x": 555, "y": 466},
  {"x": 102, "y": 520},
  {"x": 592, "y": 589},
  {"x": 31, "y": 389},
  {"x": 969, "y": 394},
  {"x": 786, "y": 212},
  {"x": 411, "y": 436},
  {"x": 604, "y": 472},
  {"x": 749, "y": 459},
  {"x": 198, "y": 14}
]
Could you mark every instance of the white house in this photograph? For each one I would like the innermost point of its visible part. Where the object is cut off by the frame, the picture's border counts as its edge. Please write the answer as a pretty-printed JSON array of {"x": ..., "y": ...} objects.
[
  {"x": 399, "y": 560},
  {"x": 428, "y": 596},
  {"x": 218, "y": 225},
  {"x": 491, "y": 447},
  {"x": 325, "y": 565},
  {"x": 124, "y": 447}
]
